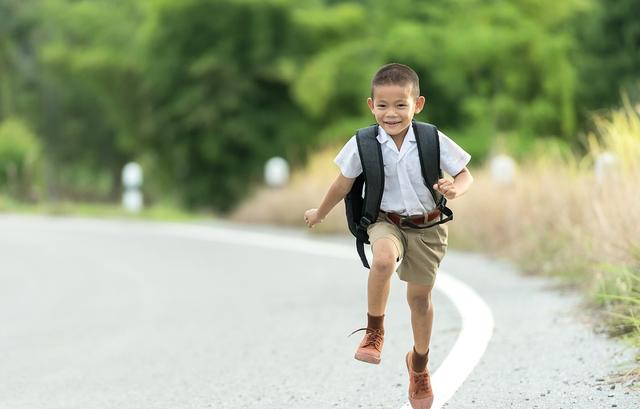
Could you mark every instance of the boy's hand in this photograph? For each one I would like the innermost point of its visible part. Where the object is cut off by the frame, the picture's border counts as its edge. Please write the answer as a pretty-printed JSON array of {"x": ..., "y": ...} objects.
[
  {"x": 447, "y": 188},
  {"x": 312, "y": 218}
]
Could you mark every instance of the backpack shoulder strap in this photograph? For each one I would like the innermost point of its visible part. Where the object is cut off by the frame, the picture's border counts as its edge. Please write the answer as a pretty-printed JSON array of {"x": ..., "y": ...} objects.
[
  {"x": 429, "y": 152},
  {"x": 373, "y": 169},
  {"x": 370, "y": 153}
]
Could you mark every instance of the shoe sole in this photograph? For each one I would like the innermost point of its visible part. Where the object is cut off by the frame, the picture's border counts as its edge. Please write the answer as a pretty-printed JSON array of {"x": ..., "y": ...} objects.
[
  {"x": 370, "y": 359},
  {"x": 425, "y": 403}
]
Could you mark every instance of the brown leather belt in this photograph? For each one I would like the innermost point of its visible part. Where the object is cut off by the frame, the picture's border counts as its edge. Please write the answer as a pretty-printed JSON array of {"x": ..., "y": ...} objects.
[{"x": 398, "y": 219}]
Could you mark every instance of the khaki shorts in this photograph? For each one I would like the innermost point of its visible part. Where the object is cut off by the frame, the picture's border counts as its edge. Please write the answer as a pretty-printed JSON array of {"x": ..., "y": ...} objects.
[{"x": 420, "y": 250}]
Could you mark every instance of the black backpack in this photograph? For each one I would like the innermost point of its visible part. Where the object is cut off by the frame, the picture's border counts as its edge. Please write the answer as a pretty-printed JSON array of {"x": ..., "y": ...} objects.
[{"x": 362, "y": 210}]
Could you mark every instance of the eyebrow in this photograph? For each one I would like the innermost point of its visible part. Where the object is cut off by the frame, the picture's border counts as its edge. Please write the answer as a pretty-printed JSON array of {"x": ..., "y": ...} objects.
[{"x": 385, "y": 101}]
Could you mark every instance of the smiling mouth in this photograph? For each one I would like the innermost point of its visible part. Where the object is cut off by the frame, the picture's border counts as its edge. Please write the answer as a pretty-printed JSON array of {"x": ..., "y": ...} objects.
[{"x": 392, "y": 123}]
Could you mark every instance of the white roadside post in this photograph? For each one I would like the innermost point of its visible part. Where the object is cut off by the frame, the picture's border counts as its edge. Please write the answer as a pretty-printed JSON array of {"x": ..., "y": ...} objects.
[
  {"x": 605, "y": 166},
  {"x": 132, "y": 181},
  {"x": 276, "y": 172},
  {"x": 503, "y": 170}
]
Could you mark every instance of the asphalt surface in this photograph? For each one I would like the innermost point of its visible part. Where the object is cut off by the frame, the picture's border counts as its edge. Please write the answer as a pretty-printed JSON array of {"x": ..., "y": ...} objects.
[{"x": 113, "y": 314}]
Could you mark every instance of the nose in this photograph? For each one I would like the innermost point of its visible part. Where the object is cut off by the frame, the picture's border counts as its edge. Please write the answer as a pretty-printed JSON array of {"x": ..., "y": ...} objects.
[{"x": 391, "y": 112}]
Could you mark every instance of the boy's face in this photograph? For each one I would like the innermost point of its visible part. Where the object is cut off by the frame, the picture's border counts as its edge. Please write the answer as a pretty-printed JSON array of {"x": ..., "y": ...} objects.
[{"x": 394, "y": 107}]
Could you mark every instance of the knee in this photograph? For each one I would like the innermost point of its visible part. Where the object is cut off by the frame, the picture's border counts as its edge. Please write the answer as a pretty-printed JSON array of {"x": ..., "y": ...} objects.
[
  {"x": 383, "y": 263},
  {"x": 419, "y": 303}
]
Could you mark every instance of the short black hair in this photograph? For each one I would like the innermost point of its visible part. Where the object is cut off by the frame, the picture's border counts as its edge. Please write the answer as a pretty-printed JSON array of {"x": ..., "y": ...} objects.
[{"x": 396, "y": 74}]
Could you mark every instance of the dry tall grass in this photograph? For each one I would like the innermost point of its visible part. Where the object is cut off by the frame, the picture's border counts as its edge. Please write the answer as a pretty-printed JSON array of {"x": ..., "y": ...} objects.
[
  {"x": 559, "y": 219},
  {"x": 285, "y": 206},
  {"x": 553, "y": 218}
]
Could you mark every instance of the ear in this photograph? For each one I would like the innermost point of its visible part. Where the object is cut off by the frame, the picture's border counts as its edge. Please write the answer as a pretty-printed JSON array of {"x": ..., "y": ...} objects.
[
  {"x": 420, "y": 104},
  {"x": 370, "y": 104}
]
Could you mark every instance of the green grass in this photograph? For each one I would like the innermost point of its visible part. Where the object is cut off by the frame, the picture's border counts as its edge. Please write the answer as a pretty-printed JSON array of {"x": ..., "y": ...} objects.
[
  {"x": 159, "y": 212},
  {"x": 619, "y": 295}
]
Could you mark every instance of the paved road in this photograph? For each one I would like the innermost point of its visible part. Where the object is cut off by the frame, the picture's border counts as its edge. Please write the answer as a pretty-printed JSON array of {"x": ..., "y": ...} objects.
[{"x": 97, "y": 314}]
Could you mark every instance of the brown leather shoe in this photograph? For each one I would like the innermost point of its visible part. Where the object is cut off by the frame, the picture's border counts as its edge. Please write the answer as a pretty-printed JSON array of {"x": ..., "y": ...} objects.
[
  {"x": 420, "y": 393},
  {"x": 370, "y": 347}
]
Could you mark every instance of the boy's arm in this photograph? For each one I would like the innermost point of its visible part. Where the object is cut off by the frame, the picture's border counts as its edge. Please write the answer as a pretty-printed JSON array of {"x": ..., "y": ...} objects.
[
  {"x": 460, "y": 184},
  {"x": 337, "y": 191}
]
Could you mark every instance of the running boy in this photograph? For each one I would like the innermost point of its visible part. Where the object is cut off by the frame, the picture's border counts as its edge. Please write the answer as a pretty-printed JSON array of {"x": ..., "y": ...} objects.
[{"x": 395, "y": 99}]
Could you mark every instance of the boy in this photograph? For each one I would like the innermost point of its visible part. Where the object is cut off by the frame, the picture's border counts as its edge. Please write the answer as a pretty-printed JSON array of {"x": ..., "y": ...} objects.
[{"x": 395, "y": 99}]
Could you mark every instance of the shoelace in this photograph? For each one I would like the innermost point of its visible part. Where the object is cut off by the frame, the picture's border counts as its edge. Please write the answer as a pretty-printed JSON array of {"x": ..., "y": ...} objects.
[
  {"x": 374, "y": 337},
  {"x": 422, "y": 383}
]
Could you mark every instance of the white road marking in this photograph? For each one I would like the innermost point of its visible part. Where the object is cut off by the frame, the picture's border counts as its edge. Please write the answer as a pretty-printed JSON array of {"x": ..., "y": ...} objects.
[
  {"x": 477, "y": 319},
  {"x": 474, "y": 337}
]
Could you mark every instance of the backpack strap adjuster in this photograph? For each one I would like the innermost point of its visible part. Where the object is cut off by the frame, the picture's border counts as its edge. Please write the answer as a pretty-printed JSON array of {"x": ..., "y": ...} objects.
[
  {"x": 442, "y": 202},
  {"x": 365, "y": 223}
]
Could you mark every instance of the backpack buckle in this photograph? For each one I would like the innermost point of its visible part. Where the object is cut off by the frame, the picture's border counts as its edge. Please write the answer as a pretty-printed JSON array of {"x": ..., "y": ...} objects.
[{"x": 364, "y": 223}]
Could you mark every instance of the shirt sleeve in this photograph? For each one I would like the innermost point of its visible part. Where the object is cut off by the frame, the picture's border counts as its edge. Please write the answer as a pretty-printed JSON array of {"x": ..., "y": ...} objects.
[
  {"x": 452, "y": 157},
  {"x": 348, "y": 160}
]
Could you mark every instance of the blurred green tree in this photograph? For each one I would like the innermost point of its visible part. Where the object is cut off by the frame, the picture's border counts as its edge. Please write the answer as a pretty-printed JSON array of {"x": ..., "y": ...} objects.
[
  {"x": 486, "y": 67},
  {"x": 17, "y": 56},
  {"x": 90, "y": 96},
  {"x": 20, "y": 153},
  {"x": 610, "y": 62},
  {"x": 218, "y": 74},
  {"x": 202, "y": 92}
]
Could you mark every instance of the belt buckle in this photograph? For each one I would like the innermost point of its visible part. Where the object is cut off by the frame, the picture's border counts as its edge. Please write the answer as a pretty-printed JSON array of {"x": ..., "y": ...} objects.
[{"x": 417, "y": 219}]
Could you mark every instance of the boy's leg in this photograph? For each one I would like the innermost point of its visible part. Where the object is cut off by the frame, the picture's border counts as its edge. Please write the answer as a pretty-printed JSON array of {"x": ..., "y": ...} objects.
[
  {"x": 419, "y": 267},
  {"x": 385, "y": 255},
  {"x": 387, "y": 248},
  {"x": 419, "y": 299}
]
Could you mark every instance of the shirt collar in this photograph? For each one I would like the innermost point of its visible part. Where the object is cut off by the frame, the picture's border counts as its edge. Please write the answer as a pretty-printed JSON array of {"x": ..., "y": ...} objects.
[{"x": 382, "y": 135}]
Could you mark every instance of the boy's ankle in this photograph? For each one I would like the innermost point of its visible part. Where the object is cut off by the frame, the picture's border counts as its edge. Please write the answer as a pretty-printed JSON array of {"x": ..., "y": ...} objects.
[
  {"x": 375, "y": 322},
  {"x": 419, "y": 361}
]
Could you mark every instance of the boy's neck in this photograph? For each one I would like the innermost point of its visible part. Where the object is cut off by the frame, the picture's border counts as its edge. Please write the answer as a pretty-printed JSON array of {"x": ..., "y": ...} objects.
[{"x": 399, "y": 138}]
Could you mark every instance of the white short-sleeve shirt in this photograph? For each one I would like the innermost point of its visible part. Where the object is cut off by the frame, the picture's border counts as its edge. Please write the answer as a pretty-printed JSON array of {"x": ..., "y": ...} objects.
[{"x": 404, "y": 189}]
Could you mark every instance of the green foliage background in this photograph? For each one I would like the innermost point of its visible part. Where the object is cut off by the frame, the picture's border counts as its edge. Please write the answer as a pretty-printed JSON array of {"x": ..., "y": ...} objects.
[{"x": 202, "y": 92}]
